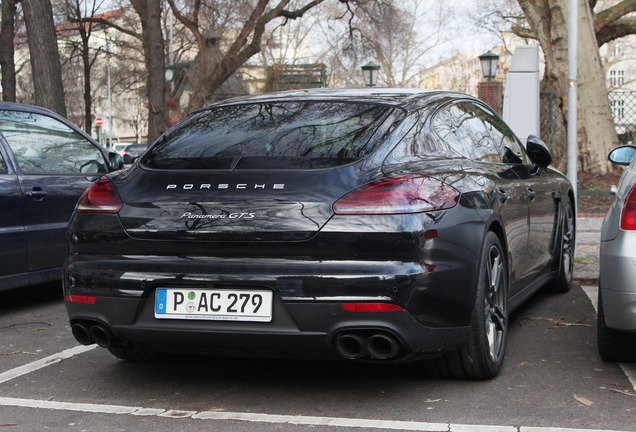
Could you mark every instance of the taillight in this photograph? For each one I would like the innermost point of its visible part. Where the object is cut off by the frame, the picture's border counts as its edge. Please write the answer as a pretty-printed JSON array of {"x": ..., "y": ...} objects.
[
  {"x": 371, "y": 307},
  {"x": 101, "y": 197},
  {"x": 628, "y": 215},
  {"x": 80, "y": 298},
  {"x": 398, "y": 195}
]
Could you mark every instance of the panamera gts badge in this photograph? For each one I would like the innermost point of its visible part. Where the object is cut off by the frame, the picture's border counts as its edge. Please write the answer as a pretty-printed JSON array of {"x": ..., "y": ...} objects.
[
  {"x": 222, "y": 186},
  {"x": 188, "y": 215}
]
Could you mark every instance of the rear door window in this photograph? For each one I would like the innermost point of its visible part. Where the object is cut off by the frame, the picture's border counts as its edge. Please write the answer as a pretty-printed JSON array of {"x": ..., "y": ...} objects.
[
  {"x": 465, "y": 133},
  {"x": 274, "y": 135},
  {"x": 44, "y": 145}
]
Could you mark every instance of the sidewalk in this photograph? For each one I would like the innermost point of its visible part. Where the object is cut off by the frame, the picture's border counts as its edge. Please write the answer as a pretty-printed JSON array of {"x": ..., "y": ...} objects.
[{"x": 588, "y": 241}]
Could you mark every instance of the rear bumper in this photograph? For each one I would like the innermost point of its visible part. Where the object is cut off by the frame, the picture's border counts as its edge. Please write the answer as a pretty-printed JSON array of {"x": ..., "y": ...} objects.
[
  {"x": 298, "y": 330},
  {"x": 308, "y": 316}
]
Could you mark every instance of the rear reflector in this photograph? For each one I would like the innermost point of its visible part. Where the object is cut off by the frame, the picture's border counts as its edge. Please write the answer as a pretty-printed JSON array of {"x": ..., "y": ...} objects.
[
  {"x": 628, "y": 215},
  {"x": 101, "y": 197},
  {"x": 80, "y": 298},
  {"x": 371, "y": 307},
  {"x": 398, "y": 195}
]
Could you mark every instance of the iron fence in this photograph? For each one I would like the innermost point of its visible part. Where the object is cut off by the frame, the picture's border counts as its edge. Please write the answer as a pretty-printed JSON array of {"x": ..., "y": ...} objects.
[
  {"x": 553, "y": 132},
  {"x": 623, "y": 106}
]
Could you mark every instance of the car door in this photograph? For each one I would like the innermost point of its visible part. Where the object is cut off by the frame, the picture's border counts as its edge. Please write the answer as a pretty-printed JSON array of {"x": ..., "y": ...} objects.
[
  {"x": 55, "y": 164},
  {"x": 12, "y": 233},
  {"x": 538, "y": 192},
  {"x": 466, "y": 134}
]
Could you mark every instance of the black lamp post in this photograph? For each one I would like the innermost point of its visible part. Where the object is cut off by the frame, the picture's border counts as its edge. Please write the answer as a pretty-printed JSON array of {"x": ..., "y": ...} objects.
[
  {"x": 489, "y": 63},
  {"x": 370, "y": 73}
]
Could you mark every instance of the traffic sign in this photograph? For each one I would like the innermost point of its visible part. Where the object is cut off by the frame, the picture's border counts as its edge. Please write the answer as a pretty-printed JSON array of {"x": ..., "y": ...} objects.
[{"x": 99, "y": 121}]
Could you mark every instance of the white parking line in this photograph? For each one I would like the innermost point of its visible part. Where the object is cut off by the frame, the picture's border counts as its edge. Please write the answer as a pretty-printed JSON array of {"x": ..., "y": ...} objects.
[
  {"x": 628, "y": 369},
  {"x": 338, "y": 422},
  {"x": 46, "y": 361}
]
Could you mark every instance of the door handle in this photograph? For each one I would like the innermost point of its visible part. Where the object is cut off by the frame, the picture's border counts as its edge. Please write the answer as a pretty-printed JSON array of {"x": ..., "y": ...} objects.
[
  {"x": 531, "y": 194},
  {"x": 37, "y": 193}
]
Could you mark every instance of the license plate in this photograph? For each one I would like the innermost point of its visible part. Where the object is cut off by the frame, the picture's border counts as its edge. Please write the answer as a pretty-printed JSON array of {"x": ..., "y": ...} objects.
[{"x": 218, "y": 304}]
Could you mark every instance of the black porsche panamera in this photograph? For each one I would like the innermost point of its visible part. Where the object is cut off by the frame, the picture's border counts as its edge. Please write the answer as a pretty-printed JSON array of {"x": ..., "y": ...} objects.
[{"x": 382, "y": 225}]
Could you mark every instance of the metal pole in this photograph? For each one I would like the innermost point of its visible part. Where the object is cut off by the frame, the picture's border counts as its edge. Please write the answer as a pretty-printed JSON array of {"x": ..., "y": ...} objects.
[
  {"x": 110, "y": 115},
  {"x": 171, "y": 50},
  {"x": 573, "y": 60}
]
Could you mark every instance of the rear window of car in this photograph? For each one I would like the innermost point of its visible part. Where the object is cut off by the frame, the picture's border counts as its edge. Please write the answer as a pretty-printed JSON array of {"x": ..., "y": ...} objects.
[{"x": 278, "y": 135}]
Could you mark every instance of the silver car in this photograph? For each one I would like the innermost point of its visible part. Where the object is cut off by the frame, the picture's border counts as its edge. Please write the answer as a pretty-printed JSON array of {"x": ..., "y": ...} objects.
[{"x": 617, "y": 288}]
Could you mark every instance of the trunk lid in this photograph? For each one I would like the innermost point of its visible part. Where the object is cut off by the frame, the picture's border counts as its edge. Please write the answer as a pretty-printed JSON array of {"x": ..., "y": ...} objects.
[{"x": 264, "y": 206}]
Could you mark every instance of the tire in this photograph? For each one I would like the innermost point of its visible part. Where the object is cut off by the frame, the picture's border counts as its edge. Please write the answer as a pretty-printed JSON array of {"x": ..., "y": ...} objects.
[
  {"x": 613, "y": 345},
  {"x": 481, "y": 356},
  {"x": 566, "y": 259},
  {"x": 134, "y": 355}
]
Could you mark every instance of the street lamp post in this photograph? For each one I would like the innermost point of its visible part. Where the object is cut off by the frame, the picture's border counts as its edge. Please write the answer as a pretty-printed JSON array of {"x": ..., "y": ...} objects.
[
  {"x": 489, "y": 64},
  {"x": 490, "y": 91},
  {"x": 370, "y": 73}
]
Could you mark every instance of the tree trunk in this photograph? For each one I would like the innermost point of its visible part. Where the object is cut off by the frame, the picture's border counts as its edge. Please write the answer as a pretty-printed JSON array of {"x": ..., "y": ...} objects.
[
  {"x": 88, "y": 97},
  {"x": 594, "y": 109},
  {"x": 149, "y": 12},
  {"x": 45, "y": 58},
  {"x": 7, "y": 61}
]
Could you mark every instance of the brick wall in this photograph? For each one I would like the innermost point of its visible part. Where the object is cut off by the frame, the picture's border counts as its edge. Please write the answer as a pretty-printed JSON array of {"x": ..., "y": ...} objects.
[{"x": 491, "y": 92}]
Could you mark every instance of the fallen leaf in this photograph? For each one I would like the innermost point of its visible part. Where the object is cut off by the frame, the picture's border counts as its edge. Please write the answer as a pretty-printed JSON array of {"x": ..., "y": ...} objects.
[{"x": 584, "y": 401}]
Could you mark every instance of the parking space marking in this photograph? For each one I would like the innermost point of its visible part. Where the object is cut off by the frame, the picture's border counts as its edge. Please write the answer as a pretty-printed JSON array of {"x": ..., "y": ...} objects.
[
  {"x": 46, "y": 361},
  {"x": 339, "y": 422}
]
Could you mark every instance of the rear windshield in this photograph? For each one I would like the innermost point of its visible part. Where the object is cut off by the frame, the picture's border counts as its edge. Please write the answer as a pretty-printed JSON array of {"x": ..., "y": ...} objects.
[{"x": 274, "y": 135}]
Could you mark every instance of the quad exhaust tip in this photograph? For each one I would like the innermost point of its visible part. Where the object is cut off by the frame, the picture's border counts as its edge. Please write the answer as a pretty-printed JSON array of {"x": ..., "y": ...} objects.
[
  {"x": 81, "y": 333},
  {"x": 92, "y": 333},
  {"x": 358, "y": 345}
]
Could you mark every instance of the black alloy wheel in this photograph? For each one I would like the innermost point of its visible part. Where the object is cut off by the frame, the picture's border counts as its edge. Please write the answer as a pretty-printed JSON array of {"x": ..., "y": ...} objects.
[{"x": 563, "y": 282}]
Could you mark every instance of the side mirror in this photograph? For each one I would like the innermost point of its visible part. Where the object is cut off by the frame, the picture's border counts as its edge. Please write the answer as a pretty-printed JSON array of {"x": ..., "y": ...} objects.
[
  {"x": 622, "y": 155},
  {"x": 538, "y": 152},
  {"x": 115, "y": 161}
]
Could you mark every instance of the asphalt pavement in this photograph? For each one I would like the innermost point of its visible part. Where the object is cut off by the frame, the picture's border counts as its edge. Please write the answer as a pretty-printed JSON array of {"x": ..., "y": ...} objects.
[{"x": 588, "y": 245}]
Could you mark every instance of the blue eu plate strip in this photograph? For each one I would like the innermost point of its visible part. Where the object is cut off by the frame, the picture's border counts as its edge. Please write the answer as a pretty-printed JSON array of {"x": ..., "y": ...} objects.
[{"x": 160, "y": 302}]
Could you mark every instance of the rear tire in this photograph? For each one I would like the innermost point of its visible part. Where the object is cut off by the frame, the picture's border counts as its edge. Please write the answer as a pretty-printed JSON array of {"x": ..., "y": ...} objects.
[
  {"x": 566, "y": 259},
  {"x": 481, "y": 356},
  {"x": 613, "y": 345}
]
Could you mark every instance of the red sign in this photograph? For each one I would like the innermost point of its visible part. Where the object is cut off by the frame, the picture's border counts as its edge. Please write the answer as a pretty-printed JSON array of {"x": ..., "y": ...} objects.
[{"x": 99, "y": 121}]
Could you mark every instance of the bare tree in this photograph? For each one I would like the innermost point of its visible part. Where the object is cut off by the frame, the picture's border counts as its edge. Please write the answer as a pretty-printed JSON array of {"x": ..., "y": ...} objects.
[
  {"x": 149, "y": 12},
  {"x": 245, "y": 45},
  {"x": 76, "y": 10},
  {"x": 45, "y": 60},
  {"x": 7, "y": 61},
  {"x": 399, "y": 35}
]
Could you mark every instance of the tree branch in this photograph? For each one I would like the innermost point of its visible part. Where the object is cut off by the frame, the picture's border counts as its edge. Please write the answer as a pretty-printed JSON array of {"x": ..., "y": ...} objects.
[
  {"x": 109, "y": 24},
  {"x": 612, "y": 14},
  {"x": 618, "y": 29},
  {"x": 523, "y": 32}
]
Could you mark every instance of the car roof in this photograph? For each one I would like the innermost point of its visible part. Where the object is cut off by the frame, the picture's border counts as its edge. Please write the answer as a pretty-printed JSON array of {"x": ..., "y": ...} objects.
[
  {"x": 16, "y": 106},
  {"x": 400, "y": 97}
]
